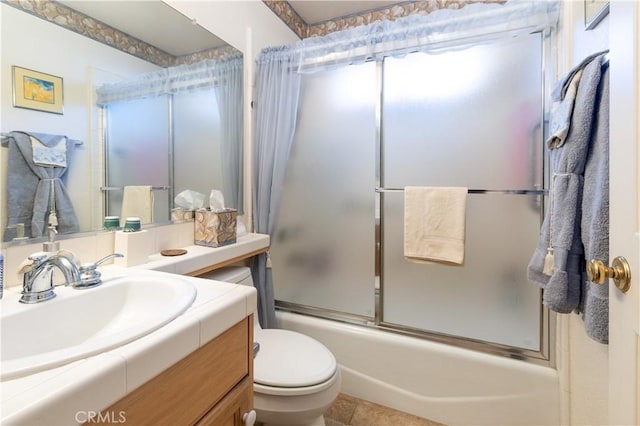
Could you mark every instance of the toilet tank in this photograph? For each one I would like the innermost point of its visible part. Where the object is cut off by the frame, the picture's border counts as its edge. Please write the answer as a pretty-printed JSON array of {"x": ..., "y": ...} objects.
[
  {"x": 235, "y": 275},
  {"x": 230, "y": 274}
]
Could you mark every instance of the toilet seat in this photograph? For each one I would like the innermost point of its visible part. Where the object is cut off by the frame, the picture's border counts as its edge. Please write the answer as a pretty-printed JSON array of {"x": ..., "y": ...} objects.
[
  {"x": 307, "y": 390},
  {"x": 306, "y": 365}
]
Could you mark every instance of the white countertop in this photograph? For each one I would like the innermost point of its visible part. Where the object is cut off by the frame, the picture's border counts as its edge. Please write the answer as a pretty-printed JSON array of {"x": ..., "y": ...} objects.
[
  {"x": 199, "y": 257},
  {"x": 65, "y": 395}
]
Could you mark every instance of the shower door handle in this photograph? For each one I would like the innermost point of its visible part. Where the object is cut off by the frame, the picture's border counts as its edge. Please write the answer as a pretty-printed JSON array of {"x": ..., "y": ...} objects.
[{"x": 598, "y": 272}]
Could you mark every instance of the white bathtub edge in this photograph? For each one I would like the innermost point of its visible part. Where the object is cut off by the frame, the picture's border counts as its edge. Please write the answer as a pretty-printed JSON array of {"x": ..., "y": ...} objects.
[{"x": 517, "y": 393}]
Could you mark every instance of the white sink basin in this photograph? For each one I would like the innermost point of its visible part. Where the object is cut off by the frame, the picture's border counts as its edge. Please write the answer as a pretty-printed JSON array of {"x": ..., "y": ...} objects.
[{"x": 81, "y": 323}]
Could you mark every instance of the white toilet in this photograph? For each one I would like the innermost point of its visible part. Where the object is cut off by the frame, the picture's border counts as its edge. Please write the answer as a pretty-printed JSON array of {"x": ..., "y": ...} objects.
[{"x": 296, "y": 378}]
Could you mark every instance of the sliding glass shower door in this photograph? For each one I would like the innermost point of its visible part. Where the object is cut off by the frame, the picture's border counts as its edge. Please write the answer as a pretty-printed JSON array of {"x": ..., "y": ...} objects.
[
  {"x": 138, "y": 129},
  {"x": 323, "y": 253},
  {"x": 469, "y": 117}
]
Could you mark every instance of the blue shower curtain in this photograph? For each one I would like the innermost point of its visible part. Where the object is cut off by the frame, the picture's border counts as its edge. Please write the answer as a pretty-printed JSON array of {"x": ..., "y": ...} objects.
[
  {"x": 229, "y": 98},
  {"x": 275, "y": 111}
]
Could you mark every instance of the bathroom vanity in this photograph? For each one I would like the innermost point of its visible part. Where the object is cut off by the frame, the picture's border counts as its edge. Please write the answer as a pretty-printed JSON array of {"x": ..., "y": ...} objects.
[
  {"x": 195, "y": 369},
  {"x": 212, "y": 386}
]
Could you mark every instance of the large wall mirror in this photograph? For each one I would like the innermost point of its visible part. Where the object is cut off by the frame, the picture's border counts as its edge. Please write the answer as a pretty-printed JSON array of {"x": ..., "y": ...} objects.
[{"x": 170, "y": 141}]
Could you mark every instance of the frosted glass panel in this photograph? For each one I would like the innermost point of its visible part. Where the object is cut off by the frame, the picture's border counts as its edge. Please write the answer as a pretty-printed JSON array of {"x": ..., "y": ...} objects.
[
  {"x": 469, "y": 118},
  {"x": 323, "y": 253},
  {"x": 488, "y": 298},
  {"x": 464, "y": 118},
  {"x": 197, "y": 158},
  {"x": 138, "y": 151}
]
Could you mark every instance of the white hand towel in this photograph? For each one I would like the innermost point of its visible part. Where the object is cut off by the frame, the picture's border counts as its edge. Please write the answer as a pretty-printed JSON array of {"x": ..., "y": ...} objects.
[
  {"x": 137, "y": 201},
  {"x": 434, "y": 224}
]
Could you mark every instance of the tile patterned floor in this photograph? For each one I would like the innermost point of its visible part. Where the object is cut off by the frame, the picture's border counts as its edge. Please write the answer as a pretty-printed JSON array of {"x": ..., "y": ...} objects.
[{"x": 350, "y": 411}]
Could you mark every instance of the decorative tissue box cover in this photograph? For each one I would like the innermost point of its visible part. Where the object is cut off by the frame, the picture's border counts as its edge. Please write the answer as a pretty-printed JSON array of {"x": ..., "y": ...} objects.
[
  {"x": 179, "y": 214},
  {"x": 215, "y": 229}
]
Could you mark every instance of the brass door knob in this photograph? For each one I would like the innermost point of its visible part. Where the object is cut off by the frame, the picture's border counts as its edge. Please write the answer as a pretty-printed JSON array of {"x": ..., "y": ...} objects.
[{"x": 620, "y": 271}]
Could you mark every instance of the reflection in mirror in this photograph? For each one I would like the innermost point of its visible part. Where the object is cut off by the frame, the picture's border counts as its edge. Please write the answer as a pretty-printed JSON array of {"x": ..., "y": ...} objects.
[
  {"x": 201, "y": 143},
  {"x": 97, "y": 42}
]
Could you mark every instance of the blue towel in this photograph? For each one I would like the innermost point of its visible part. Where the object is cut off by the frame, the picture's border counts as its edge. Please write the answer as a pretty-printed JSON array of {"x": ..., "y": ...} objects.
[
  {"x": 594, "y": 303},
  {"x": 558, "y": 263},
  {"x": 29, "y": 189}
]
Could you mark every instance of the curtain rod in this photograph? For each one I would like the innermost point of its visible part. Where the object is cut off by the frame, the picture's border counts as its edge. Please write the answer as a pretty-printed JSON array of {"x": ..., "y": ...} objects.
[{"x": 490, "y": 12}]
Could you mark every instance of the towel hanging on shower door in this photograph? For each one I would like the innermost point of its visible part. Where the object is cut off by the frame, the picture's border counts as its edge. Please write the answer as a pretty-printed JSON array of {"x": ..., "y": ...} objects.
[
  {"x": 434, "y": 224},
  {"x": 137, "y": 201}
]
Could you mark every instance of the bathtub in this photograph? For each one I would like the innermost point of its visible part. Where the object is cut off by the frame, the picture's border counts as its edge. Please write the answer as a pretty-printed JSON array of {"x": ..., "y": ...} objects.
[{"x": 443, "y": 383}]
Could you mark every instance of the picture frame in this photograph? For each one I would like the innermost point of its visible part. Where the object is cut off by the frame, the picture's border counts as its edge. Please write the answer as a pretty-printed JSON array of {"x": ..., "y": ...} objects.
[
  {"x": 37, "y": 91},
  {"x": 594, "y": 12}
]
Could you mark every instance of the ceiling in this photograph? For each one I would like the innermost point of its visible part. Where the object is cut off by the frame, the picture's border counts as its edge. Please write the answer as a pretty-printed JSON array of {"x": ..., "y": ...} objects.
[
  {"x": 143, "y": 18},
  {"x": 315, "y": 11}
]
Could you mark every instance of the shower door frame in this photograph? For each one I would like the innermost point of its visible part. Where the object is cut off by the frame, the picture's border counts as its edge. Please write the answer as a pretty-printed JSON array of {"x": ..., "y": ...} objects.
[{"x": 545, "y": 356}]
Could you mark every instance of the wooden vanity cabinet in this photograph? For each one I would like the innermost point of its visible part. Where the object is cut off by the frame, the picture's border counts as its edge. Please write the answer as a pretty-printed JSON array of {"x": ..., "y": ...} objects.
[
  {"x": 230, "y": 411},
  {"x": 211, "y": 386}
]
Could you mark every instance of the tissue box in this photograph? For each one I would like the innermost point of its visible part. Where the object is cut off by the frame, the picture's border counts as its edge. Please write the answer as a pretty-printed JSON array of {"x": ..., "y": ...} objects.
[
  {"x": 180, "y": 215},
  {"x": 215, "y": 229}
]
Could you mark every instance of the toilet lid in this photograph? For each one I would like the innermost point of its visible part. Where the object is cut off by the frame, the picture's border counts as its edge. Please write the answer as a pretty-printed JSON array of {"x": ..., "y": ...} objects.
[{"x": 290, "y": 359}]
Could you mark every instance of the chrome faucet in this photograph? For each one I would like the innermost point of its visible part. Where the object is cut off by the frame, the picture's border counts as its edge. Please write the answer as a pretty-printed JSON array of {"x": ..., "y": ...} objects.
[
  {"x": 89, "y": 275},
  {"x": 37, "y": 282}
]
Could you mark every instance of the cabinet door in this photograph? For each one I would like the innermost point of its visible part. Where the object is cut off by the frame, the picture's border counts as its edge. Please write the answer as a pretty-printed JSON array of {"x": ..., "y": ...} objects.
[
  {"x": 230, "y": 410},
  {"x": 184, "y": 392}
]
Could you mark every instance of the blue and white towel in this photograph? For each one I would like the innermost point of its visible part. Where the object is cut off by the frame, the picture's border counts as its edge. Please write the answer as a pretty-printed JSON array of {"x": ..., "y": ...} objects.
[
  {"x": 49, "y": 151},
  {"x": 29, "y": 187}
]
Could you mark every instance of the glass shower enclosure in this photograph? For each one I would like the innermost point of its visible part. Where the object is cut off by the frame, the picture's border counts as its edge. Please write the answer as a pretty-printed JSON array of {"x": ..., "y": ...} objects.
[
  {"x": 179, "y": 137},
  {"x": 469, "y": 117}
]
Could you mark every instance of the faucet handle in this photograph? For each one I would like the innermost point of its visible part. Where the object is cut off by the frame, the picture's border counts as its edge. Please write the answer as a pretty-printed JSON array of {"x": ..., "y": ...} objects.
[
  {"x": 38, "y": 257},
  {"x": 104, "y": 259},
  {"x": 89, "y": 274},
  {"x": 32, "y": 261}
]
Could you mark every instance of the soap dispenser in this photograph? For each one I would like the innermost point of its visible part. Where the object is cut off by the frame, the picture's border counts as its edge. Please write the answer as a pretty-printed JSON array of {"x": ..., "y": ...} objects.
[{"x": 51, "y": 246}]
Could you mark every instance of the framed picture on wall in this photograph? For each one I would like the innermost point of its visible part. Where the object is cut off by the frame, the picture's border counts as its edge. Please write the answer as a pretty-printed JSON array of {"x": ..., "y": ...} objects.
[
  {"x": 36, "y": 90},
  {"x": 594, "y": 12}
]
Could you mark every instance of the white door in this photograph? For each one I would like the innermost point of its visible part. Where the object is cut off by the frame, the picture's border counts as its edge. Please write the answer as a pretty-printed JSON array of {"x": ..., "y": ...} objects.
[{"x": 624, "y": 323}]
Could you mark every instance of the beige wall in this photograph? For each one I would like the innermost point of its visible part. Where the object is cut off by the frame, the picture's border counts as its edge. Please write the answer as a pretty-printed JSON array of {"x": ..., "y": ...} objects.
[{"x": 582, "y": 362}]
